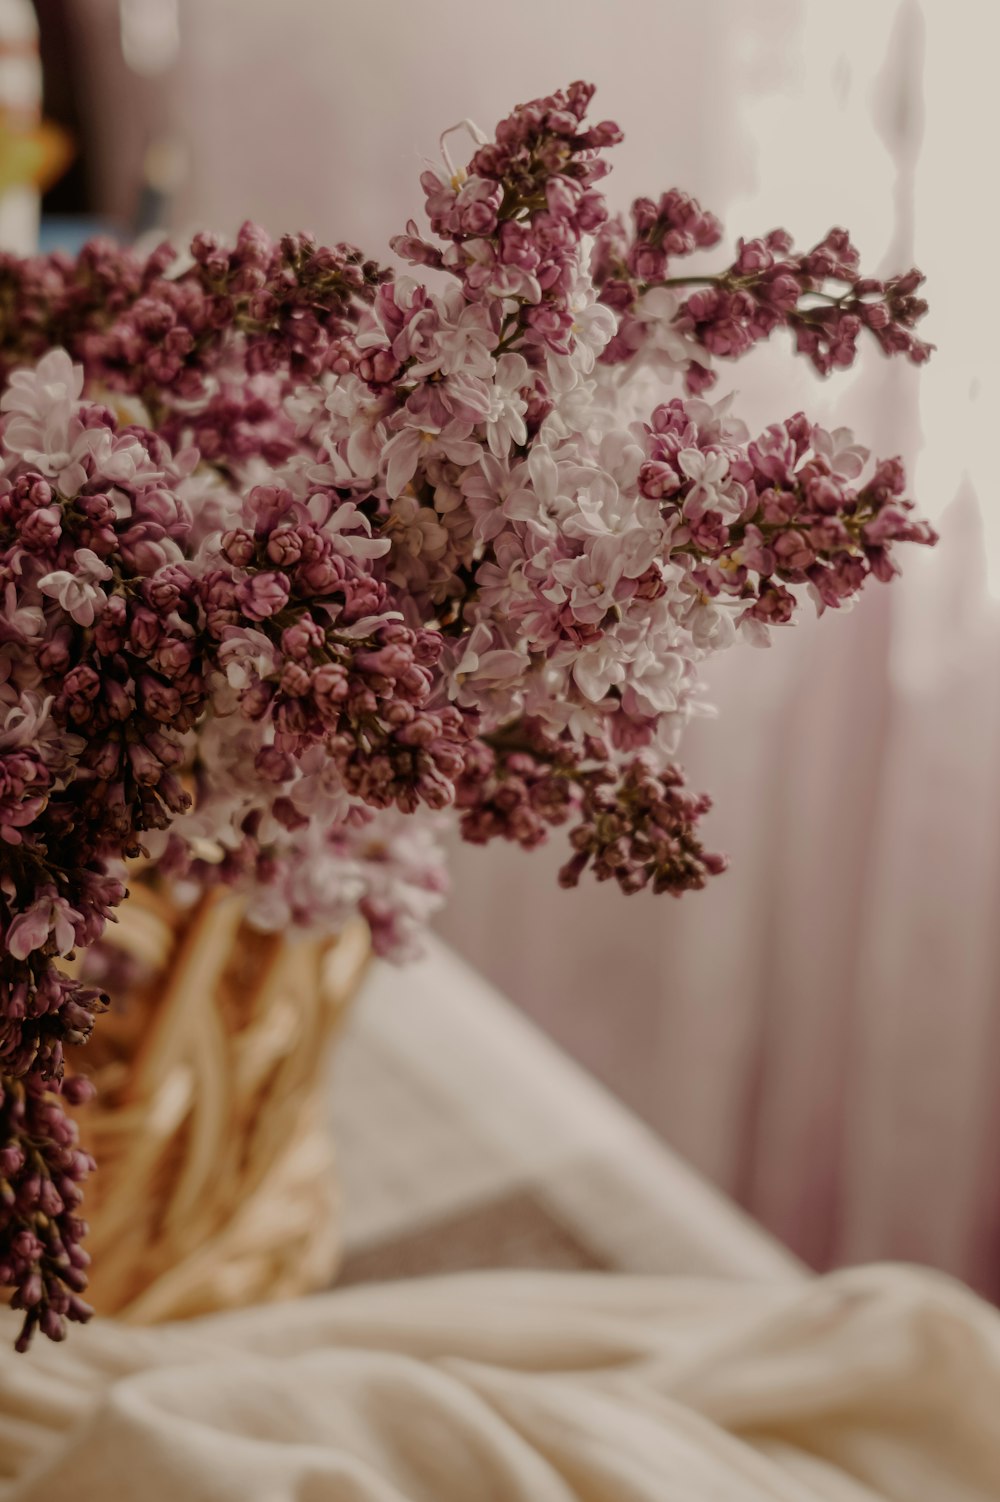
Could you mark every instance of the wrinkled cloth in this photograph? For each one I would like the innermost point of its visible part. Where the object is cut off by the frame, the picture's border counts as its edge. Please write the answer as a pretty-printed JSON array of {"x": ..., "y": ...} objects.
[{"x": 878, "y": 1383}]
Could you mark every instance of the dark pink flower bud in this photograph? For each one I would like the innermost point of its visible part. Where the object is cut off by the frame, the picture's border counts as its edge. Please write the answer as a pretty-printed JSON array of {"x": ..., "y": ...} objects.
[
  {"x": 302, "y": 638},
  {"x": 160, "y": 700},
  {"x": 295, "y": 680},
  {"x": 262, "y": 595},
  {"x": 647, "y": 263},
  {"x": 238, "y": 548},
  {"x": 119, "y": 699},
  {"x": 284, "y": 546},
  {"x": 753, "y": 256},
  {"x": 41, "y": 528},
  {"x": 11, "y": 1160},
  {"x": 256, "y": 700},
  {"x": 824, "y": 493},
  {"x": 144, "y": 630},
  {"x": 274, "y": 765},
  {"x": 146, "y": 767},
  {"x": 330, "y": 687}
]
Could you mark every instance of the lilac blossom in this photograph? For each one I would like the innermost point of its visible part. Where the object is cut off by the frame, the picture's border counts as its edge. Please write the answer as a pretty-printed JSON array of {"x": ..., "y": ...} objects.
[{"x": 300, "y": 560}]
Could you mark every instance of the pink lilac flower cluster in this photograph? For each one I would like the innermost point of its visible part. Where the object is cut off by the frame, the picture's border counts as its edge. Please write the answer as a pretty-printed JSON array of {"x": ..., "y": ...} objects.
[
  {"x": 637, "y": 822},
  {"x": 821, "y": 295},
  {"x": 779, "y": 510},
  {"x": 298, "y": 556},
  {"x": 139, "y": 323}
]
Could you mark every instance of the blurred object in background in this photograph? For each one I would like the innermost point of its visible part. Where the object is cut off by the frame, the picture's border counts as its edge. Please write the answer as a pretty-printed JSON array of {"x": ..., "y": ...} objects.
[
  {"x": 150, "y": 35},
  {"x": 106, "y": 66},
  {"x": 819, "y": 1034},
  {"x": 68, "y": 215},
  {"x": 150, "y": 45},
  {"x": 25, "y": 153},
  {"x": 164, "y": 168}
]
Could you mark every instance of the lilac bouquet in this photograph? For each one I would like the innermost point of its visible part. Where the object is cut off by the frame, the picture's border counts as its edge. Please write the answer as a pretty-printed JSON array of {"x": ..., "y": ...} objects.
[{"x": 296, "y": 555}]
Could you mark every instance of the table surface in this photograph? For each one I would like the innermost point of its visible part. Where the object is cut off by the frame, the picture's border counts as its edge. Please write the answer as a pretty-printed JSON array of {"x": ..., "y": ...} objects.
[{"x": 466, "y": 1138}]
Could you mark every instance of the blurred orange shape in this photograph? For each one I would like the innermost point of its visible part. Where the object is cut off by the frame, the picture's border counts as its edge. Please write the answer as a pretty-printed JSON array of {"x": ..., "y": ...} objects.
[{"x": 37, "y": 155}]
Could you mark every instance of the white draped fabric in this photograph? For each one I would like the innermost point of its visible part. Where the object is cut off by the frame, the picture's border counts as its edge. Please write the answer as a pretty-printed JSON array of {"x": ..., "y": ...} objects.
[{"x": 876, "y": 1385}]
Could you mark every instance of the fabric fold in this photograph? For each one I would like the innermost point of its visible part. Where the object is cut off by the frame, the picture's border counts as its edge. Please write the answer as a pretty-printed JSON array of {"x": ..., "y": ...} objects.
[{"x": 879, "y": 1383}]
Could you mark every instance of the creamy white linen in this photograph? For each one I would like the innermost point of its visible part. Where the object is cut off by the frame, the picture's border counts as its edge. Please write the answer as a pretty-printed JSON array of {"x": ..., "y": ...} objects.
[{"x": 513, "y": 1387}]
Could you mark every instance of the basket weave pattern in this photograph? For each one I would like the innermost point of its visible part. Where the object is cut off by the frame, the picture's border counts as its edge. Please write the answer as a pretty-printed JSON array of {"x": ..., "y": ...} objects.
[{"x": 215, "y": 1185}]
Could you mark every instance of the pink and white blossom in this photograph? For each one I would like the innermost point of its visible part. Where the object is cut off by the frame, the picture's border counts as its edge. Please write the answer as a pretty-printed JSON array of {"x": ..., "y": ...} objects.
[
  {"x": 49, "y": 918},
  {"x": 78, "y": 592},
  {"x": 301, "y": 560}
]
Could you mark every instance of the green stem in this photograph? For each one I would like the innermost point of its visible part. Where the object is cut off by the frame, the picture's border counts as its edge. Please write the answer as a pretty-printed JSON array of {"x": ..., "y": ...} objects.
[{"x": 689, "y": 281}]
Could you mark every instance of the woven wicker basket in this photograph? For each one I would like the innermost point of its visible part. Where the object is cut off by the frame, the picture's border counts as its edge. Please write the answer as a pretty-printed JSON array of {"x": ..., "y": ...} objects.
[{"x": 215, "y": 1185}]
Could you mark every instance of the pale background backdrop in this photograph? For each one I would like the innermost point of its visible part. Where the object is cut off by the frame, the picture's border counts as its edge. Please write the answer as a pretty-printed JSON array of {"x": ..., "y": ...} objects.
[{"x": 819, "y": 1034}]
